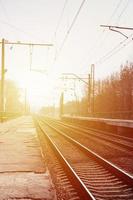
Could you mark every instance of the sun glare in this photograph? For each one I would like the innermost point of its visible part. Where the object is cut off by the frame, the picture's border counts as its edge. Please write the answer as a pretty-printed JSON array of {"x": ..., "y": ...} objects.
[{"x": 39, "y": 88}]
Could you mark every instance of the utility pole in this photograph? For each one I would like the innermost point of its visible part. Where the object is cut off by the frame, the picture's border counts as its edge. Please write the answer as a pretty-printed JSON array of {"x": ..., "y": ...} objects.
[
  {"x": 92, "y": 86},
  {"x": 88, "y": 83},
  {"x": 2, "y": 79},
  {"x": 25, "y": 101},
  {"x": 62, "y": 104},
  {"x": 76, "y": 98},
  {"x": 89, "y": 93}
]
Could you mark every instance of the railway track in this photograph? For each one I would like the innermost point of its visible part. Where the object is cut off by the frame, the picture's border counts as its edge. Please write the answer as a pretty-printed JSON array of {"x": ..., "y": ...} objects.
[
  {"x": 92, "y": 176},
  {"x": 121, "y": 141}
]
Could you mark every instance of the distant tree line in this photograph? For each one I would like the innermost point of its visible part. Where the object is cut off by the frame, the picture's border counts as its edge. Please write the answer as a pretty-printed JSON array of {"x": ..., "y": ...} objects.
[
  {"x": 116, "y": 92},
  {"x": 113, "y": 96},
  {"x": 12, "y": 100}
]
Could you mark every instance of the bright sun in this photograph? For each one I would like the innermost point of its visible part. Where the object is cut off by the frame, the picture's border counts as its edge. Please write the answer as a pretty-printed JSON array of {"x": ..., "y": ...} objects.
[{"x": 39, "y": 88}]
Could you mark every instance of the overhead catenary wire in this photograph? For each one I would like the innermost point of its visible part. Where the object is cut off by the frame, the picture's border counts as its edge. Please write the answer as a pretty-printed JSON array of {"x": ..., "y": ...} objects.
[
  {"x": 58, "y": 26},
  {"x": 71, "y": 26},
  {"x": 12, "y": 26},
  {"x": 74, "y": 20},
  {"x": 115, "y": 10},
  {"x": 107, "y": 57},
  {"x": 4, "y": 10},
  {"x": 118, "y": 45},
  {"x": 109, "y": 21},
  {"x": 101, "y": 37},
  {"x": 61, "y": 16},
  {"x": 116, "y": 49},
  {"x": 123, "y": 10}
]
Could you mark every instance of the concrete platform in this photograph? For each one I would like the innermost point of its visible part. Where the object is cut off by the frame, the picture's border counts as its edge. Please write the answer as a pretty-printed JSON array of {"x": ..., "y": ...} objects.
[{"x": 23, "y": 174}]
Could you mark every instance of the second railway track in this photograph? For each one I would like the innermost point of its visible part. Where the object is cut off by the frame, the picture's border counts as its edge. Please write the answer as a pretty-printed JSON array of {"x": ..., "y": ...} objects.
[
  {"x": 118, "y": 140},
  {"x": 94, "y": 176}
]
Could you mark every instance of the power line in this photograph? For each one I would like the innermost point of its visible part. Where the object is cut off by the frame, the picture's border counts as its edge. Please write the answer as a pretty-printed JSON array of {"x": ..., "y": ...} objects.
[
  {"x": 115, "y": 10},
  {"x": 71, "y": 26},
  {"x": 102, "y": 36},
  {"x": 58, "y": 26},
  {"x": 16, "y": 28},
  {"x": 110, "y": 52},
  {"x": 115, "y": 52},
  {"x": 4, "y": 10},
  {"x": 122, "y": 12},
  {"x": 116, "y": 49},
  {"x": 61, "y": 16},
  {"x": 109, "y": 21}
]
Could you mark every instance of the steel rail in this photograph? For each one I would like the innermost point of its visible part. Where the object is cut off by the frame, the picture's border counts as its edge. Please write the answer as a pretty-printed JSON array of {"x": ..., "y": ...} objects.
[
  {"x": 94, "y": 129},
  {"x": 105, "y": 132},
  {"x": 129, "y": 147},
  {"x": 82, "y": 190},
  {"x": 110, "y": 166}
]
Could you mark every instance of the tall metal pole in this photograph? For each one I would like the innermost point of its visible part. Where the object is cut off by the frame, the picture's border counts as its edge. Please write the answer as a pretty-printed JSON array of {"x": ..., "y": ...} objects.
[
  {"x": 89, "y": 93},
  {"x": 76, "y": 98},
  {"x": 93, "y": 85},
  {"x": 93, "y": 66},
  {"x": 2, "y": 79},
  {"x": 25, "y": 101},
  {"x": 62, "y": 104}
]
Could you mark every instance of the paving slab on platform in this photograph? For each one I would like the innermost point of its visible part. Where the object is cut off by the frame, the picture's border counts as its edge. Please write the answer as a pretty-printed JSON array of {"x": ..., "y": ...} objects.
[{"x": 23, "y": 174}]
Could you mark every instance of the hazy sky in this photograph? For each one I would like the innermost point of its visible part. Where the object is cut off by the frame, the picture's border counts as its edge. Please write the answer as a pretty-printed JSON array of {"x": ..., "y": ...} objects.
[{"x": 46, "y": 21}]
